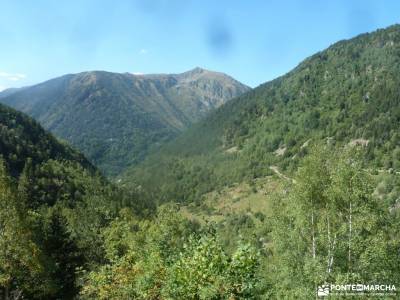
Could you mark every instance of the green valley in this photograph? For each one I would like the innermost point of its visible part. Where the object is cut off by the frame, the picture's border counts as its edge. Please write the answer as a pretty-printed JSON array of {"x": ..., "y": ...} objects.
[
  {"x": 210, "y": 190},
  {"x": 116, "y": 119},
  {"x": 345, "y": 95}
]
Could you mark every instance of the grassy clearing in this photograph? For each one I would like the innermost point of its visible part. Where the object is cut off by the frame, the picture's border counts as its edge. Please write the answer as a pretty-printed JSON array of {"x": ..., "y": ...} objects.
[{"x": 247, "y": 198}]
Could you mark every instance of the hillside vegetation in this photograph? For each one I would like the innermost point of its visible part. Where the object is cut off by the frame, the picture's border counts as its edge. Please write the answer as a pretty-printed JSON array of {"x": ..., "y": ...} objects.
[
  {"x": 53, "y": 202},
  {"x": 66, "y": 232},
  {"x": 346, "y": 95},
  {"x": 22, "y": 138},
  {"x": 288, "y": 187},
  {"x": 115, "y": 119}
]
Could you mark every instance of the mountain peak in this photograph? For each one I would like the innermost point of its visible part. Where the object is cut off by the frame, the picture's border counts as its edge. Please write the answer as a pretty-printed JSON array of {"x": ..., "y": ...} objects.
[
  {"x": 197, "y": 70},
  {"x": 99, "y": 111}
]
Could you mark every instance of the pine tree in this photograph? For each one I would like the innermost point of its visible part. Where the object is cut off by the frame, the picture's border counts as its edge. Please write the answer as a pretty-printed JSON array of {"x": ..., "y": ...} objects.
[{"x": 21, "y": 261}]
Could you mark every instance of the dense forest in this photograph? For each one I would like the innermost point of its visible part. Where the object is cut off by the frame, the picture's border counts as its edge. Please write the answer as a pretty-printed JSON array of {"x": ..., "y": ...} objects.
[{"x": 293, "y": 185}]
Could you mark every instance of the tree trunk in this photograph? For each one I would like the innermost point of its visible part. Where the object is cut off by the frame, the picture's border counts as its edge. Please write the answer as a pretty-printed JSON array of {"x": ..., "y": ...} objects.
[
  {"x": 331, "y": 247},
  {"x": 6, "y": 293},
  {"x": 313, "y": 236},
  {"x": 329, "y": 244},
  {"x": 330, "y": 264},
  {"x": 350, "y": 236}
]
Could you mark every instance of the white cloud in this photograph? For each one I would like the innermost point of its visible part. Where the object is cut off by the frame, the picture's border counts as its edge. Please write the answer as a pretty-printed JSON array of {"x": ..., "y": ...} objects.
[
  {"x": 12, "y": 77},
  {"x": 138, "y": 73},
  {"x": 2, "y": 88},
  {"x": 143, "y": 51}
]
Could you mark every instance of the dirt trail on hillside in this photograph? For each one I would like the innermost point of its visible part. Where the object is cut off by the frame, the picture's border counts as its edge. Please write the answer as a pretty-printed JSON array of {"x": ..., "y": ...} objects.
[{"x": 277, "y": 172}]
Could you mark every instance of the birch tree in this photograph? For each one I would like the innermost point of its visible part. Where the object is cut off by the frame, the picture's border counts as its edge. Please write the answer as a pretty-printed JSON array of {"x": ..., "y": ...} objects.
[{"x": 323, "y": 227}]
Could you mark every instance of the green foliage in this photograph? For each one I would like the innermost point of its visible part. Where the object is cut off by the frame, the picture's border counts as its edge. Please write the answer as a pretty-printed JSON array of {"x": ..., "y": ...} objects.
[
  {"x": 345, "y": 94},
  {"x": 65, "y": 232},
  {"x": 328, "y": 228},
  {"x": 116, "y": 119},
  {"x": 21, "y": 138},
  {"x": 41, "y": 246},
  {"x": 205, "y": 271},
  {"x": 136, "y": 252},
  {"x": 165, "y": 259},
  {"x": 22, "y": 264}
]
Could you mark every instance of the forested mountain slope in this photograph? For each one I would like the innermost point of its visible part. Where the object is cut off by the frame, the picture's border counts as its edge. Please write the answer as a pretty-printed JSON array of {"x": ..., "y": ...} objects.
[
  {"x": 8, "y": 92},
  {"x": 39, "y": 178},
  {"x": 23, "y": 139},
  {"x": 346, "y": 94},
  {"x": 66, "y": 233},
  {"x": 114, "y": 119}
]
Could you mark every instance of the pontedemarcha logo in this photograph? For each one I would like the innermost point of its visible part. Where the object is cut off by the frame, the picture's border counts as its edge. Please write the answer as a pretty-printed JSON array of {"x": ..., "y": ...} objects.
[
  {"x": 323, "y": 290},
  {"x": 356, "y": 290}
]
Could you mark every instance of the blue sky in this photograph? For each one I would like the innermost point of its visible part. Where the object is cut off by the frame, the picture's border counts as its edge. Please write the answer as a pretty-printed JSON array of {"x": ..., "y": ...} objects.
[{"x": 251, "y": 40}]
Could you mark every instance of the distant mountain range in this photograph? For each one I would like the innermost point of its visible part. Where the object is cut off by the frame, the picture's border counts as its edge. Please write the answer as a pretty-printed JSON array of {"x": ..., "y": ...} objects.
[
  {"x": 8, "y": 92},
  {"x": 67, "y": 232},
  {"x": 116, "y": 119}
]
